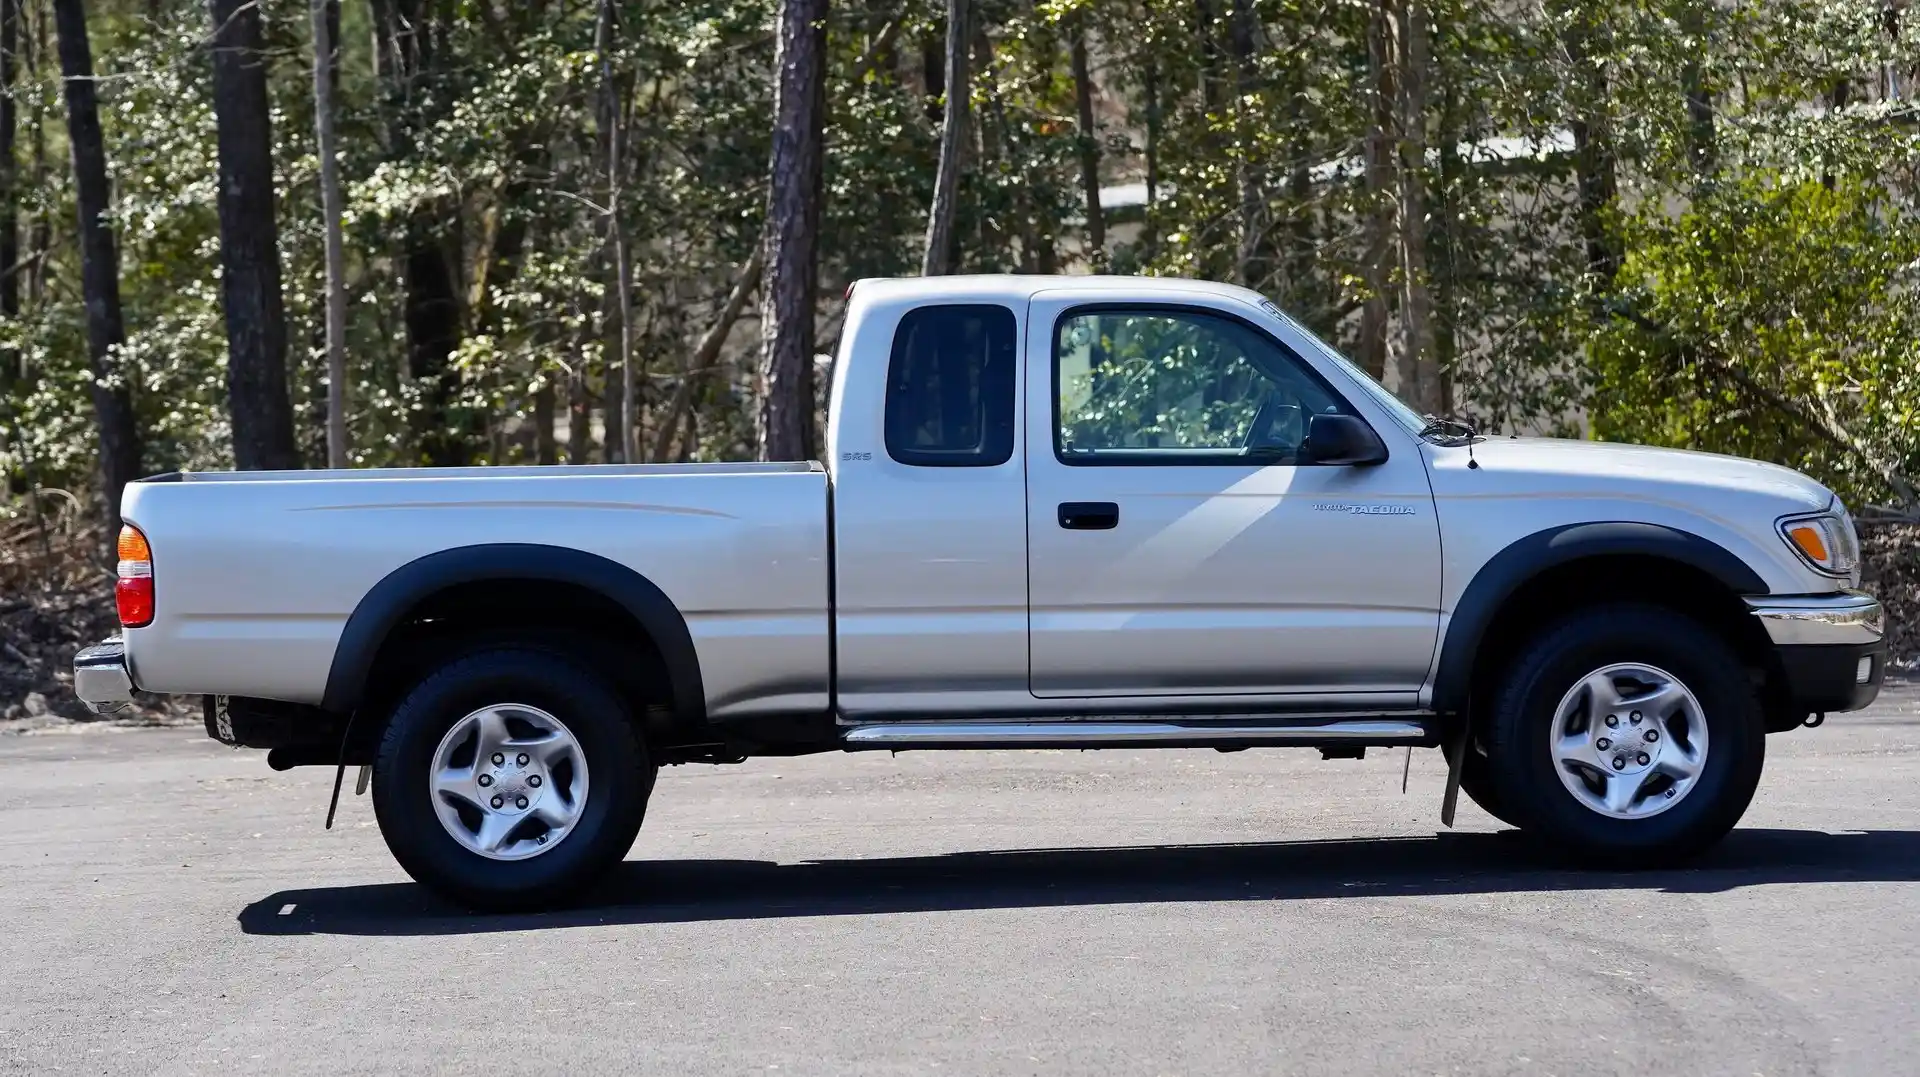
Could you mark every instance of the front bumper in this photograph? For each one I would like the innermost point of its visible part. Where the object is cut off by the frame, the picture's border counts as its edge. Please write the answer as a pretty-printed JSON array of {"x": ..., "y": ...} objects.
[
  {"x": 100, "y": 677},
  {"x": 1832, "y": 648}
]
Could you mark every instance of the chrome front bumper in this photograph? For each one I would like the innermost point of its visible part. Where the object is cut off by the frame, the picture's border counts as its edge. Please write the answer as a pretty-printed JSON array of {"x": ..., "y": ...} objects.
[
  {"x": 1844, "y": 617},
  {"x": 100, "y": 677}
]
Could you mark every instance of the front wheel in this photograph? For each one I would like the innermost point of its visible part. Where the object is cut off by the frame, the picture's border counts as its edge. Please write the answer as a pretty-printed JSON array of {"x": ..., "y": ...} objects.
[
  {"x": 509, "y": 779},
  {"x": 1627, "y": 735}
]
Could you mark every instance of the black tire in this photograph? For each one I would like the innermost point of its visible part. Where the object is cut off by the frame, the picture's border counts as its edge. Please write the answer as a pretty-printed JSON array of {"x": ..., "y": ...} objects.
[
  {"x": 616, "y": 761},
  {"x": 1519, "y": 756},
  {"x": 1477, "y": 783}
]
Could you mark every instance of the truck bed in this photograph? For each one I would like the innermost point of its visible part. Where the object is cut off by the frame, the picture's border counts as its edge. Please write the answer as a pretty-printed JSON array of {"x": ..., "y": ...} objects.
[{"x": 257, "y": 572}]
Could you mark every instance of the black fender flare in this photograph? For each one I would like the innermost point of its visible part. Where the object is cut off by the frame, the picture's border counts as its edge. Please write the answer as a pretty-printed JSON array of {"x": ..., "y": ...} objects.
[
  {"x": 1511, "y": 568},
  {"x": 381, "y": 609}
]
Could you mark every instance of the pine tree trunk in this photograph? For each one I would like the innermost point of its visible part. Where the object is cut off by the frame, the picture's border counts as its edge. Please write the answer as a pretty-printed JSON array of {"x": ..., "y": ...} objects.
[
  {"x": 1593, "y": 164},
  {"x": 1089, "y": 144},
  {"x": 256, "y": 318},
  {"x": 1254, "y": 266},
  {"x": 405, "y": 54},
  {"x": 326, "y": 16},
  {"x": 786, "y": 419},
  {"x": 10, "y": 41},
  {"x": 953, "y": 136},
  {"x": 1419, "y": 366},
  {"x": 623, "y": 428},
  {"x": 1383, "y": 95},
  {"x": 99, "y": 260}
]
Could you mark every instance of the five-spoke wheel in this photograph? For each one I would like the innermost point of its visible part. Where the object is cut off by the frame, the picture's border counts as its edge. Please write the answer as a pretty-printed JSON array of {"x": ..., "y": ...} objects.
[
  {"x": 1597, "y": 739},
  {"x": 481, "y": 779}
]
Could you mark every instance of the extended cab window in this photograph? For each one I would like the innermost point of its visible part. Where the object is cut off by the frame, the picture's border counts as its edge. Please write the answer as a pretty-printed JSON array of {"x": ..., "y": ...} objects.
[
  {"x": 1179, "y": 386},
  {"x": 950, "y": 386}
]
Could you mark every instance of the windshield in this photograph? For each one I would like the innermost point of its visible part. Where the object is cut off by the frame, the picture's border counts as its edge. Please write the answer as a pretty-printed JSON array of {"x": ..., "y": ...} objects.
[{"x": 1405, "y": 415}]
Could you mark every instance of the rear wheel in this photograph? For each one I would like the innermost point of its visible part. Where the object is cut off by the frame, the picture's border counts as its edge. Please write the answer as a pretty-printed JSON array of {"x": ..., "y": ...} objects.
[
  {"x": 510, "y": 778},
  {"x": 1627, "y": 735}
]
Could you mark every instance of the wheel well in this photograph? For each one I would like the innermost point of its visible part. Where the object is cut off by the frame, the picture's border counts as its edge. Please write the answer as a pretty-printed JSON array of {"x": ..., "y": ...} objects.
[
  {"x": 1649, "y": 579},
  {"x": 465, "y": 615}
]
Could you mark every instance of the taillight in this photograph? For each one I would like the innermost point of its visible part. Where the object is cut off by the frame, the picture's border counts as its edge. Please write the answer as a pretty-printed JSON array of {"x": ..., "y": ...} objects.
[{"x": 133, "y": 591}]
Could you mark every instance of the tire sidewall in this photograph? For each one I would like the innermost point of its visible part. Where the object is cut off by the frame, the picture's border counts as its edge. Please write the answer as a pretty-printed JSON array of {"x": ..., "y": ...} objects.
[
  {"x": 1525, "y": 771},
  {"x": 619, "y": 776}
]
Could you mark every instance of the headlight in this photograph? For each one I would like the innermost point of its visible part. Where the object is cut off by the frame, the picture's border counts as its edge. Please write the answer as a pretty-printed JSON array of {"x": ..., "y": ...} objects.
[{"x": 1826, "y": 541}]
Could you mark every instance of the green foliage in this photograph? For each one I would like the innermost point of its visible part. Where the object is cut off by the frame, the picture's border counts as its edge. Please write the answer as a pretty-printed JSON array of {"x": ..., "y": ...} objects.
[{"x": 1742, "y": 281}]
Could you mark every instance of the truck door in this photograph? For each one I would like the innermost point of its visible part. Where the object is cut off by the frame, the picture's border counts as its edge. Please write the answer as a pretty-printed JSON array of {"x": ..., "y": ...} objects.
[{"x": 1176, "y": 543}]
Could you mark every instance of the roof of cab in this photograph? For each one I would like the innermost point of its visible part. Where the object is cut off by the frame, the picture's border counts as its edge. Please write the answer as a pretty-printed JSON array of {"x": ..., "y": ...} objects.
[{"x": 1026, "y": 285}]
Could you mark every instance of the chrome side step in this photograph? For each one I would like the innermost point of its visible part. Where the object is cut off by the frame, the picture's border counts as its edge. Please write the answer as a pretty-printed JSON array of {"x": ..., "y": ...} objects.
[{"x": 1358, "y": 732}]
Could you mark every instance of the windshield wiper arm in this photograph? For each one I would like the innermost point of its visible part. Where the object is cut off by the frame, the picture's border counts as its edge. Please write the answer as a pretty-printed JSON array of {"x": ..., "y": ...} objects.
[{"x": 1446, "y": 426}]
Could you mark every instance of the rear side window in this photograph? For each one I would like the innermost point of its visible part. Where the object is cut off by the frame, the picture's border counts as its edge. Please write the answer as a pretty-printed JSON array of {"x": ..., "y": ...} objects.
[{"x": 950, "y": 387}]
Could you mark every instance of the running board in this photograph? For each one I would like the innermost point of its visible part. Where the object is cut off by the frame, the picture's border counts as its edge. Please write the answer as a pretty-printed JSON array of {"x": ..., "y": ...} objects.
[{"x": 1356, "y": 732}]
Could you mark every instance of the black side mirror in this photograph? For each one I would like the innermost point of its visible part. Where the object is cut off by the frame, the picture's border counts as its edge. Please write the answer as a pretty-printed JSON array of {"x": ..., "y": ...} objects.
[{"x": 1343, "y": 440}]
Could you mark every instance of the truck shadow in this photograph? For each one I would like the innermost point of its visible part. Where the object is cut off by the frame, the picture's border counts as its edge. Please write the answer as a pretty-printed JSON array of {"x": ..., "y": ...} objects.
[{"x": 683, "y": 891}]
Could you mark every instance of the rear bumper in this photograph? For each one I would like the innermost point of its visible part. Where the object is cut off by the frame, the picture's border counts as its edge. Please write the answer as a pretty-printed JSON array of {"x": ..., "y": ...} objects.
[
  {"x": 1832, "y": 648},
  {"x": 100, "y": 677}
]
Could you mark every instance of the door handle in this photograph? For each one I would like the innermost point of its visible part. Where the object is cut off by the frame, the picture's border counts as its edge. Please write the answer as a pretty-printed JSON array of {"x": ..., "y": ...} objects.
[{"x": 1089, "y": 515}]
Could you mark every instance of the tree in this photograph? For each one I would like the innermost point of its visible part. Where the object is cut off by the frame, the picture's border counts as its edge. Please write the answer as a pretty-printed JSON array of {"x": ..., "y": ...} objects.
[
  {"x": 100, "y": 265},
  {"x": 626, "y": 439},
  {"x": 1089, "y": 142},
  {"x": 326, "y": 14},
  {"x": 250, "y": 244},
  {"x": 10, "y": 41},
  {"x": 793, "y": 217},
  {"x": 953, "y": 136}
]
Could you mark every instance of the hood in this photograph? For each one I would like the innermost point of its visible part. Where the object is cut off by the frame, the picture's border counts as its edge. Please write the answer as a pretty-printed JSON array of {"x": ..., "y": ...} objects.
[{"x": 1552, "y": 465}]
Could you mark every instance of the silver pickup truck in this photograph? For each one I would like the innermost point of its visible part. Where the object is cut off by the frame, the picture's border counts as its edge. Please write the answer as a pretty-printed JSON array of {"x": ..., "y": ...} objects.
[{"x": 1055, "y": 513}]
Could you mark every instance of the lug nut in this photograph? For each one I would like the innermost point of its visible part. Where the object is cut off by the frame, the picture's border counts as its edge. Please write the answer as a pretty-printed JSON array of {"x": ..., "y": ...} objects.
[
  {"x": 1642, "y": 757},
  {"x": 1612, "y": 720},
  {"x": 1619, "y": 763},
  {"x": 533, "y": 780},
  {"x": 498, "y": 759},
  {"x": 498, "y": 802},
  {"x": 522, "y": 760},
  {"x": 485, "y": 780},
  {"x": 1652, "y": 735},
  {"x": 542, "y": 839},
  {"x": 522, "y": 802},
  {"x": 1603, "y": 744},
  {"x": 1636, "y": 717}
]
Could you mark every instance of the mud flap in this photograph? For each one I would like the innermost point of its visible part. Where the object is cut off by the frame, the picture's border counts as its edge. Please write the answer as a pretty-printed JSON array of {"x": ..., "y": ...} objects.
[{"x": 1456, "y": 749}]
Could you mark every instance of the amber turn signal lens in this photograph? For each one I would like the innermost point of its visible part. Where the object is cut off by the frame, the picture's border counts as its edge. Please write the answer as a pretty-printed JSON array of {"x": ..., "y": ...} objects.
[
  {"x": 1811, "y": 541},
  {"x": 133, "y": 545}
]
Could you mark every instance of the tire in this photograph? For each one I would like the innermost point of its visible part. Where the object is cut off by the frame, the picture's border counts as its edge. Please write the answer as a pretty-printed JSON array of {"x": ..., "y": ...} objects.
[
  {"x": 1477, "y": 782},
  {"x": 586, "y": 783},
  {"x": 1550, "y": 718}
]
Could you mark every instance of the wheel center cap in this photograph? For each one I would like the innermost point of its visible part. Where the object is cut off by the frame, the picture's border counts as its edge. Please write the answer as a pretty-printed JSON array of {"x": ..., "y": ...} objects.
[
  {"x": 1630, "y": 747},
  {"x": 517, "y": 788}
]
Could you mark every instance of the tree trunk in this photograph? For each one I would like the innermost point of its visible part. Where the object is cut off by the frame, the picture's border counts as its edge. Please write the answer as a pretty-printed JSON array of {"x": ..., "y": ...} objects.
[
  {"x": 404, "y": 53},
  {"x": 99, "y": 261},
  {"x": 10, "y": 41},
  {"x": 1253, "y": 266},
  {"x": 1419, "y": 367},
  {"x": 786, "y": 419},
  {"x": 326, "y": 15},
  {"x": 1150, "y": 235},
  {"x": 623, "y": 429},
  {"x": 1383, "y": 94},
  {"x": 1089, "y": 144},
  {"x": 40, "y": 232},
  {"x": 545, "y": 449},
  {"x": 249, "y": 245},
  {"x": 1700, "y": 136},
  {"x": 953, "y": 134},
  {"x": 1594, "y": 166}
]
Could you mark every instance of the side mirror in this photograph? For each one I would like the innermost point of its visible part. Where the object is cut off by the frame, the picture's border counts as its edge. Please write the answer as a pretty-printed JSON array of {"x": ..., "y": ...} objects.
[{"x": 1342, "y": 440}]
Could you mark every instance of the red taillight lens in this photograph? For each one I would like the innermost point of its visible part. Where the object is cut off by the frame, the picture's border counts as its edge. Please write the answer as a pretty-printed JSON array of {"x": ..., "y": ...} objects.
[{"x": 133, "y": 592}]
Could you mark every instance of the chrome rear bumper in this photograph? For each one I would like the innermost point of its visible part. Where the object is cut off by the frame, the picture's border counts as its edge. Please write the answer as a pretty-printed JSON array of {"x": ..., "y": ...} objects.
[{"x": 100, "y": 677}]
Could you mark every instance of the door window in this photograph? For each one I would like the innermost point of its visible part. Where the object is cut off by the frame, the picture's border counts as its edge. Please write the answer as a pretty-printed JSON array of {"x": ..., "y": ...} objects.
[{"x": 1179, "y": 386}]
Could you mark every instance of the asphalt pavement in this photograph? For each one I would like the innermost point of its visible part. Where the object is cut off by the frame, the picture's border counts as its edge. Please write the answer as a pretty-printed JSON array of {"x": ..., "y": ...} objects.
[{"x": 169, "y": 906}]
